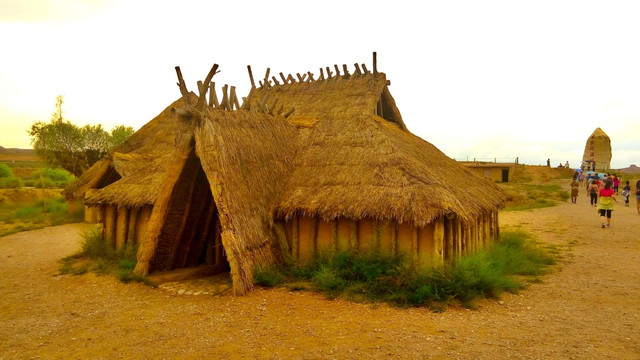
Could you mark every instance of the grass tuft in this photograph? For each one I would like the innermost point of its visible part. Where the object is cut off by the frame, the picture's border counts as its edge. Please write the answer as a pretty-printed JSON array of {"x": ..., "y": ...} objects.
[
  {"x": 98, "y": 256},
  {"x": 513, "y": 261}
]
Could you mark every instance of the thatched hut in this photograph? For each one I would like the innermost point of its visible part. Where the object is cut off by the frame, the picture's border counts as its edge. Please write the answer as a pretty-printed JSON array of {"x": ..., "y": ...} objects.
[{"x": 339, "y": 172}]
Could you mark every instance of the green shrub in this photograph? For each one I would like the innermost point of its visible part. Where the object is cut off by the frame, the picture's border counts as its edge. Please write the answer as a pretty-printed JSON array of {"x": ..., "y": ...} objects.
[
  {"x": 106, "y": 260},
  {"x": 56, "y": 175},
  {"x": 400, "y": 281},
  {"x": 28, "y": 183},
  {"x": 267, "y": 277},
  {"x": 45, "y": 183},
  {"x": 328, "y": 280},
  {"x": 10, "y": 183},
  {"x": 5, "y": 171}
]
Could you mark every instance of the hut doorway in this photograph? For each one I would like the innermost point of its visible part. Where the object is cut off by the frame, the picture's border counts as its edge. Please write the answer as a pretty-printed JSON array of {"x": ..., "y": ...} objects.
[
  {"x": 191, "y": 234},
  {"x": 505, "y": 175}
]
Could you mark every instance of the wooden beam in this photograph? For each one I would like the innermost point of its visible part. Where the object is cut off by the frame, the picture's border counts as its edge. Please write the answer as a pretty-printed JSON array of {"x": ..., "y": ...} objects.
[
  {"x": 253, "y": 84},
  {"x": 295, "y": 236},
  {"x": 183, "y": 87},
  {"x": 263, "y": 103},
  {"x": 357, "y": 69},
  {"x": 225, "y": 98},
  {"x": 364, "y": 69},
  {"x": 394, "y": 237},
  {"x": 284, "y": 79},
  {"x": 329, "y": 73},
  {"x": 213, "y": 98},
  {"x": 314, "y": 234},
  {"x": 321, "y": 77},
  {"x": 291, "y": 79},
  {"x": 183, "y": 224},
  {"x": 353, "y": 234},
  {"x": 337, "y": 70},
  {"x": 288, "y": 113},
  {"x": 299, "y": 77},
  {"x": 202, "y": 241},
  {"x": 266, "y": 77},
  {"x": 203, "y": 95},
  {"x": 375, "y": 63},
  {"x": 272, "y": 108},
  {"x": 345, "y": 70},
  {"x": 310, "y": 75},
  {"x": 275, "y": 81},
  {"x": 438, "y": 239},
  {"x": 234, "y": 98},
  {"x": 133, "y": 220},
  {"x": 334, "y": 235},
  {"x": 414, "y": 239}
]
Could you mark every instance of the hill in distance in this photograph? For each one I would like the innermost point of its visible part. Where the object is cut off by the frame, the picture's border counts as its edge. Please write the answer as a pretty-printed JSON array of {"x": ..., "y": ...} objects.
[{"x": 633, "y": 169}]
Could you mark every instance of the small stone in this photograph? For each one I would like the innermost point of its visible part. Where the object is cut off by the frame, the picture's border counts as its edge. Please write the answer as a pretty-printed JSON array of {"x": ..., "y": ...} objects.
[
  {"x": 188, "y": 292},
  {"x": 181, "y": 291},
  {"x": 501, "y": 302},
  {"x": 197, "y": 293}
]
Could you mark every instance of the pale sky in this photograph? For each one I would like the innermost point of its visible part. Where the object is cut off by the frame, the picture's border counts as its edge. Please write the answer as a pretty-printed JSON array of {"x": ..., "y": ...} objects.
[{"x": 484, "y": 79}]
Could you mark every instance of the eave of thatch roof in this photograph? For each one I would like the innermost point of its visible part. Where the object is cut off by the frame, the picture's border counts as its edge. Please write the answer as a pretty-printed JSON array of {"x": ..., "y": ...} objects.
[
  {"x": 88, "y": 179},
  {"x": 135, "y": 157}
]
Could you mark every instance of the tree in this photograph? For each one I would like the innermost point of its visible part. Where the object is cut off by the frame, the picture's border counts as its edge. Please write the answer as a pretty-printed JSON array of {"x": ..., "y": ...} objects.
[{"x": 75, "y": 149}]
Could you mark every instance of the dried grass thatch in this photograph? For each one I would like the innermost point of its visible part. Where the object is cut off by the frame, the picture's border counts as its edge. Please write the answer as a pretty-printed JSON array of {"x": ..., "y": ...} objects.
[
  {"x": 356, "y": 164},
  {"x": 245, "y": 156}
]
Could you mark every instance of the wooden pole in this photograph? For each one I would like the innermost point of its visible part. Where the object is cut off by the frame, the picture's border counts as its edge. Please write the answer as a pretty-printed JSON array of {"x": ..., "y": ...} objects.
[
  {"x": 266, "y": 78},
  {"x": 288, "y": 113},
  {"x": 345, "y": 70},
  {"x": 225, "y": 98},
  {"x": 357, "y": 69},
  {"x": 253, "y": 84},
  {"x": 213, "y": 97},
  {"x": 183, "y": 87},
  {"x": 375, "y": 63},
  {"x": 284, "y": 79},
  {"x": 203, "y": 90},
  {"x": 295, "y": 235},
  {"x": 353, "y": 234}
]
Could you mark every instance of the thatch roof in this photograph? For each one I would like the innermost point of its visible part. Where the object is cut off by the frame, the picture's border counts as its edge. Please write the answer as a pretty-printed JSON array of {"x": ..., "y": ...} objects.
[{"x": 353, "y": 163}]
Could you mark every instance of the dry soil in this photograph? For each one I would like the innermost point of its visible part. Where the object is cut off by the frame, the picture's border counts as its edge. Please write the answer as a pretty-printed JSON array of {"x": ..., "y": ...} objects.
[{"x": 588, "y": 308}]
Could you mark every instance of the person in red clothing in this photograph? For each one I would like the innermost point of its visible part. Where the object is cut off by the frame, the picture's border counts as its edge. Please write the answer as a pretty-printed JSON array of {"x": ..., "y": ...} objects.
[
  {"x": 605, "y": 204},
  {"x": 616, "y": 183}
]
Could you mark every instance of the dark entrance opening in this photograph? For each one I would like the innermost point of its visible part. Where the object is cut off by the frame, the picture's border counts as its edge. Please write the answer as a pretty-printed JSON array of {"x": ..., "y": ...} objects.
[
  {"x": 191, "y": 235},
  {"x": 505, "y": 175}
]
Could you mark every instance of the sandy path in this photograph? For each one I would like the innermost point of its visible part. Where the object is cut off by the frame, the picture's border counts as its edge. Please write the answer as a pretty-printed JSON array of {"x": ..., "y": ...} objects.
[{"x": 588, "y": 309}]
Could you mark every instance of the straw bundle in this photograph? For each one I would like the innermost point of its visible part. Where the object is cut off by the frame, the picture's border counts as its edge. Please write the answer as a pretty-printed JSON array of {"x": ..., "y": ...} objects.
[{"x": 245, "y": 156}]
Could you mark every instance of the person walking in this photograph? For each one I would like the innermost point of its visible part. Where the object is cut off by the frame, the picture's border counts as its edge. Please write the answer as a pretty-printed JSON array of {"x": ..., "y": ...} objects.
[
  {"x": 638, "y": 195},
  {"x": 626, "y": 191},
  {"x": 593, "y": 192},
  {"x": 605, "y": 204},
  {"x": 616, "y": 183},
  {"x": 574, "y": 191},
  {"x": 581, "y": 178}
]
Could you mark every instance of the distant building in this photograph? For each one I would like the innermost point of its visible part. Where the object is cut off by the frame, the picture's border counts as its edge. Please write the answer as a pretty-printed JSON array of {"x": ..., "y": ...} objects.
[{"x": 497, "y": 172}]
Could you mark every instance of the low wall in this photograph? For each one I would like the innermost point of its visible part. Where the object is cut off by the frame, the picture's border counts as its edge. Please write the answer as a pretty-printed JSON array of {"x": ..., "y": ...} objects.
[{"x": 445, "y": 239}]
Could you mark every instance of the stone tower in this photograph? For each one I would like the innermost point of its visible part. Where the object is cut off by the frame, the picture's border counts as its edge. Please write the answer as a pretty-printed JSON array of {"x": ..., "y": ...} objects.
[{"x": 598, "y": 148}]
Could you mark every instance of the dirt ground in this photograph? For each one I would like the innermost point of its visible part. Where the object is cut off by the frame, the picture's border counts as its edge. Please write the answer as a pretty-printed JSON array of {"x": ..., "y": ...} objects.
[{"x": 588, "y": 308}]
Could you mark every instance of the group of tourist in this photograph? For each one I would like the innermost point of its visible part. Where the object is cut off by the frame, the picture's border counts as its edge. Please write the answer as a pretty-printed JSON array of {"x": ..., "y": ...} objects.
[{"x": 602, "y": 193}]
